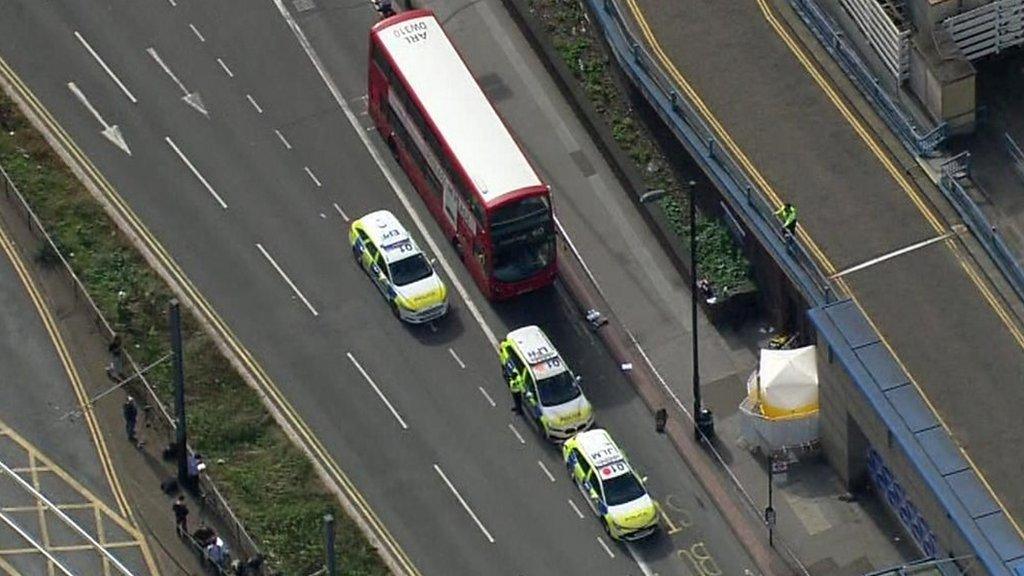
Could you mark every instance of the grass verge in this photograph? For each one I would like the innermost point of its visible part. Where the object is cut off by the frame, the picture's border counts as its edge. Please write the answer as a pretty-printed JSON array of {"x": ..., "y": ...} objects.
[
  {"x": 719, "y": 258},
  {"x": 269, "y": 483}
]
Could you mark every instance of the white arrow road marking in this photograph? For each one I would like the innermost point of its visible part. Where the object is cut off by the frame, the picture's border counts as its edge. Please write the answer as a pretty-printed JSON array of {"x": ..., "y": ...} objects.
[
  {"x": 106, "y": 68},
  {"x": 190, "y": 98},
  {"x": 196, "y": 172},
  {"x": 110, "y": 131},
  {"x": 464, "y": 504}
]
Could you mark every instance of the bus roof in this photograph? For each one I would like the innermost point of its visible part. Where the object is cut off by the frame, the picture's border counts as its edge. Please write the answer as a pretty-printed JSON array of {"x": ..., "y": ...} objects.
[{"x": 451, "y": 97}]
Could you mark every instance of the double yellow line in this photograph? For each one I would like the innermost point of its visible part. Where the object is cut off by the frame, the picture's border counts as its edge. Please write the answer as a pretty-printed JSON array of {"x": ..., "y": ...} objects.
[
  {"x": 83, "y": 400},
  {"x": 858, "y": 126},
  {"x": 163, "y": 262},
  {"x": 101, "y": 509}
]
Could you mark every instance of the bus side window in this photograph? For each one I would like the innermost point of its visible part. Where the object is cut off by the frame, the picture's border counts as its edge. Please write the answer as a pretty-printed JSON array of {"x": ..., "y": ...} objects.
[{"x": 479, "y": 252}]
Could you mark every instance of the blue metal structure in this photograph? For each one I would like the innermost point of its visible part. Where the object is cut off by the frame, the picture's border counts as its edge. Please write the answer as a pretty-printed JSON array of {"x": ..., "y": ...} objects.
[
  {"x": 949, "y": 182},
  {"x": 925, "y": 443},
  {"x": 746, "y": 199}
]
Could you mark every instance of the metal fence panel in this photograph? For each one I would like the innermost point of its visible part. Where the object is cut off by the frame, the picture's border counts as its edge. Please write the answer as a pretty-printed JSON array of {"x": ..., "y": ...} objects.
[{"x": 988, "y": 29}]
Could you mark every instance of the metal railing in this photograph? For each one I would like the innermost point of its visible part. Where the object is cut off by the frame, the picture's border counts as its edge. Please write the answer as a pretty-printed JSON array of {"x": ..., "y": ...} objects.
[
  {"x": 210, "y": 496},
  {"x": 832, "y": 38},
  {"x": 988, "y": 29},
  {"x": 679, "y": 115},
  {"x": 953, "y": 171},
  {"x": 1015, "y": 154}
]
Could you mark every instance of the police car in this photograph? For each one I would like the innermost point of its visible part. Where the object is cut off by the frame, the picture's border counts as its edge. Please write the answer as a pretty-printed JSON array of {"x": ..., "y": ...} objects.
[
  {"x": 395, "y": 264},
  {"x": 611, "y": 487},
  {"x": 552, "y": 396}
]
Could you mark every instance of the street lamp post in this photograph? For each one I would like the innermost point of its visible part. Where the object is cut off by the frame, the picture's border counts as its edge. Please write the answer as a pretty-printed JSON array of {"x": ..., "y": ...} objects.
[
  {"x": 181, "y": 434},
  {"x": 769, "y": 511},
  {"x": 702, "y": 418}
]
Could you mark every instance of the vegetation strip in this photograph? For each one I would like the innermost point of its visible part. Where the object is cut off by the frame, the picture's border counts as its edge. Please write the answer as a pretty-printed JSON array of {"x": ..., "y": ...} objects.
[
  {"x": 719, "y": 258},
  {"x": 271, "y": 485}
]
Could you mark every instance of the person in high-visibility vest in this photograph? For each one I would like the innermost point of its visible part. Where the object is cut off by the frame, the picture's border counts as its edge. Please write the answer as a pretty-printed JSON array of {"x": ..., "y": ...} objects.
[
  {"x": 788, "y": 216},
  {"x": 513, "y": 378}
]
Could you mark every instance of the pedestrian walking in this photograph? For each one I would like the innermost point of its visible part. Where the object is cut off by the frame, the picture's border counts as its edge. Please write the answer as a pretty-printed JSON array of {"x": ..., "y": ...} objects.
[
  {"x": 115, "y": 370},
  {"x": 788, "y": 216},
  {"x": 180, "y": 509},
  {"x": 131, "y": 418}
]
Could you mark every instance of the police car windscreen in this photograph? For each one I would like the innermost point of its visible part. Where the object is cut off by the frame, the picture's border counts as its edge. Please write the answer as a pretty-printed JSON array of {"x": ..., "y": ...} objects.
[
  {"x": 622, "y": 489},
  {"x": 558, "y": 389},
  {"x": 409, "y": 270}
]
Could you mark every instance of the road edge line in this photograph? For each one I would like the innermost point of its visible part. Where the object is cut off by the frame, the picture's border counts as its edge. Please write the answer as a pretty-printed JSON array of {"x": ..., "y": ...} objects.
[{"x": 347, "y": 503}]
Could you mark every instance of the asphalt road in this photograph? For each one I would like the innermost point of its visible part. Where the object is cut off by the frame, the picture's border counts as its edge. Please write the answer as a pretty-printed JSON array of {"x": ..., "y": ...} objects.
[
  {"x": 250, "y": 198},
  {"x": 51, "y": 450},
  {"x": 953, "y": 334}
]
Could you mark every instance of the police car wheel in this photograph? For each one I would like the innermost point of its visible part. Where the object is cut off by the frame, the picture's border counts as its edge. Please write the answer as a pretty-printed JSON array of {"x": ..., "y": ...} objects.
[
  {"x": 394, "y": 309},
  {"x": 607, "y": 529},
  {"x": 355, "y": 255}
]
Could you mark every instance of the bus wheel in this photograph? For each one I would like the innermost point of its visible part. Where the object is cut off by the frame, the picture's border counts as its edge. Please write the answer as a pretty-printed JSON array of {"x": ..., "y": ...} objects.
[
  {"x": 457, "y": 246},
  {"x": 392, "y": 144}
]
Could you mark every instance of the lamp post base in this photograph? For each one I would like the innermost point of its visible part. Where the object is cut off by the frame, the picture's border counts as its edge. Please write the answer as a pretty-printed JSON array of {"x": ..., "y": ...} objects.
[{"x": 705, "y": 423}]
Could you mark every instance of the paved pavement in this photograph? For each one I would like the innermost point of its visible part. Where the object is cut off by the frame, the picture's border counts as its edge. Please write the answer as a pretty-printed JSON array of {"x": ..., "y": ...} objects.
[
  {"x": 857, "y": 201},
  {"x": 52, "y": 453},
  {"x": 289, "y": 167}
]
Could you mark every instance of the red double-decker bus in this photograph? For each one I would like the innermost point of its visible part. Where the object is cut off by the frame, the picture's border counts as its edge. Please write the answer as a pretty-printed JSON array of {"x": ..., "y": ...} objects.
[{"x": 460, "y": 155}]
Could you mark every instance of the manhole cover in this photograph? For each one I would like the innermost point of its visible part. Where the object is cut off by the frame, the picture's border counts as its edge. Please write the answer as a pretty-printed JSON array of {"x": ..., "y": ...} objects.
[{"x": 303, "y": 5}]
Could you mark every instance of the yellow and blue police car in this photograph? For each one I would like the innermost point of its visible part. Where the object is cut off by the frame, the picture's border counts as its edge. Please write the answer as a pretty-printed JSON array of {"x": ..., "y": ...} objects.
[
  {"x": 395, "y": 264},
  {"x": 612, "y": 489},
  {"x": 552, "y": 397}
]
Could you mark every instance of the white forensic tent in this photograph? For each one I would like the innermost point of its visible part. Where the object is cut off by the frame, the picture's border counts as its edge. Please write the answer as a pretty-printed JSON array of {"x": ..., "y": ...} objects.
[{"x": 781, "y": 406}]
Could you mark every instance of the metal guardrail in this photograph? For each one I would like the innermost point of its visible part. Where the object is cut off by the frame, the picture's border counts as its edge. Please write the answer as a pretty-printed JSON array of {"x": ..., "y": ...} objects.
[
  {"x": 679, "y": 115},
  {"x": 210, "y": 496},
  {"x": 953, "y": 171},
  {"x": 1015, "y": 154},
  {"x": 832, "y": 38}
]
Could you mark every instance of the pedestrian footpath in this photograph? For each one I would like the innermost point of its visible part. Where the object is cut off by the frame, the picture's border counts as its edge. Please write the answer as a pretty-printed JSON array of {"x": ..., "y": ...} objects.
[
  {"x": 637, "y": 286},
  {"x": 107, "y": 456},
  {"x": 816, "y": 519}
]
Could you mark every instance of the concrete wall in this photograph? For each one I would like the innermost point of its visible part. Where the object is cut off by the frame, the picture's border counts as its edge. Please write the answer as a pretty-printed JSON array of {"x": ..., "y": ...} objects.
[
  {"x": 943, "y": 80},
  {"x": 849, "y": 424}
]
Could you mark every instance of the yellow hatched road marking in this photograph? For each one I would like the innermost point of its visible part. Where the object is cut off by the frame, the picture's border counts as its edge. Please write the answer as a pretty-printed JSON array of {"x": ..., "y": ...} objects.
[
  {"x": 70, "y": 369},
  {"x": 102, "y": 538},
  {"x": 912, "y": 193},
  {"x": 7, "y": 568},
  {"x": 78, "y": 506},
  {"x": 34, "y": 452},
  {"x": 43, "y": 528},
  {"x": 78, "y": 386},
  {"x": 67, "y": 548},
  {"x": 192, "y": 296}
]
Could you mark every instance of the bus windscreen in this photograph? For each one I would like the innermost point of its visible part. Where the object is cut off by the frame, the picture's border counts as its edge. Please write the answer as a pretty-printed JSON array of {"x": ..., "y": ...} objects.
[{"x": 522, "y": 238}]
